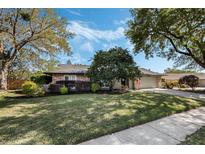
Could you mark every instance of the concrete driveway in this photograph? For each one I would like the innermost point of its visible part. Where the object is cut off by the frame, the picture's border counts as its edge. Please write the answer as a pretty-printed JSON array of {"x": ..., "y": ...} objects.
[{"x": 176, "y": 93}]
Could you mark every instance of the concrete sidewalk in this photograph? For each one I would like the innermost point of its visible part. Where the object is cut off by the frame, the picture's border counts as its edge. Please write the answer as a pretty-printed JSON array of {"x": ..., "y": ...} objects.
[{"x": 169, "y": 130}]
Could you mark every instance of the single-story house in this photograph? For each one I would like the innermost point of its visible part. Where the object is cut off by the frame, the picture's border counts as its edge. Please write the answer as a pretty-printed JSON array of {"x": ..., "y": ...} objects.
[
  {"x": 73, "y": 74},
  {"x": 177, "y": 76}
]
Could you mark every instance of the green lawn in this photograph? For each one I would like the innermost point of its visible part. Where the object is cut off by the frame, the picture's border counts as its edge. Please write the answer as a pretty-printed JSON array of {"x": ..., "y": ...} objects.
[
  {"x": 198, "y": 138},
  {"x": 71, "y": 119}
]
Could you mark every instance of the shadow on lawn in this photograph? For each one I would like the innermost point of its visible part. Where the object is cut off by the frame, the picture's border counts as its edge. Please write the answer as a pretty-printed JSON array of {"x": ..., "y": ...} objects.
[{"x": 74, "y": 119}]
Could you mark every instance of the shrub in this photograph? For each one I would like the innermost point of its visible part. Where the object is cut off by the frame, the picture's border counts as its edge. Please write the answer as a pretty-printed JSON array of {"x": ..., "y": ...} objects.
[
  {"x": 163, "y": 83},
  {"x": 169, "y": 84},
  {"x": 40, "y": 78},
  {"x": 29, "y": 88},
  {"x": 64, "y": 90},
  {"x": 40, "y": 92},
  {"x": 54, "y": 88},
  {"x": 190, "y": 80},
  {"x": 94, "y": 87},
  {"x": 182, "y": 86}
]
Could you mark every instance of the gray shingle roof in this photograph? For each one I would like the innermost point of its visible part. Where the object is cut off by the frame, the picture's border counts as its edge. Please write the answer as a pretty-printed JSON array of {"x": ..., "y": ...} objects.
[
  {"x": 149, "y": 72},
  {"x": 68, "y": 68},
  {"x": 81, "y": 69},
  {"x": 177, "y": 76}
]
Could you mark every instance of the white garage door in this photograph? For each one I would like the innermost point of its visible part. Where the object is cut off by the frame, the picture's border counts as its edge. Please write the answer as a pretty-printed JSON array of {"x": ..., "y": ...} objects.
[
  {"x": 148, "y": 82},
  {"x": 201, "y": 83}
]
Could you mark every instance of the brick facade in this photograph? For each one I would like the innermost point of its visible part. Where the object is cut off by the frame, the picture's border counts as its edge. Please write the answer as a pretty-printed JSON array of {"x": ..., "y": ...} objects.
[{"x": 58, "y": 77}]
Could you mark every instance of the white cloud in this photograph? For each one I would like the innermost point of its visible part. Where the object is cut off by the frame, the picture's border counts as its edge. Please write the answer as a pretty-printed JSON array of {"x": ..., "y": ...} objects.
[
  {"x": 121, "y": 22},
  {"x": 74, "y": 12},
  {"x": 107, "y": 46},
  {"x": 87, "y": 47},
  {"x": 83, "y": 30},
  {"x": 129, "y": 45},
  {"x": 77, "y": 59}
]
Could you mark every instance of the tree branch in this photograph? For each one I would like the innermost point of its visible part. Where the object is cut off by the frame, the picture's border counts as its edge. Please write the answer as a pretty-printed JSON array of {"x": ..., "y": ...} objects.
[{"x": 173, "y": 44}]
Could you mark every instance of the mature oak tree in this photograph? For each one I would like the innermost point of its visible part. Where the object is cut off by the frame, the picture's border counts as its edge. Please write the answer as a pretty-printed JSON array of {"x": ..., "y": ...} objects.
[
  {"x": 114, "y": 64},
  {"x": 177, "y": 34},
  {"x": 35, "y": 34}
]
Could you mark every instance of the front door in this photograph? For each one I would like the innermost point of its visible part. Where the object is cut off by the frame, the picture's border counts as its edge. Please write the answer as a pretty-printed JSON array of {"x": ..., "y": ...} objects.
[{"x": 125, "y": 82}]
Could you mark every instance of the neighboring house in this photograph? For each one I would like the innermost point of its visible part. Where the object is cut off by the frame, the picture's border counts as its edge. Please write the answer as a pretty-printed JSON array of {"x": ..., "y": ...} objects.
[
  {"x": 77, "y": 74},
  {"x": 177, "y": 76}
]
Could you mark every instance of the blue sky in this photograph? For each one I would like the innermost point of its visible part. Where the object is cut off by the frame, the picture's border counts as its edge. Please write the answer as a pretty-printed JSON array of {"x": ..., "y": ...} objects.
[{"x": 97, "y": 29}]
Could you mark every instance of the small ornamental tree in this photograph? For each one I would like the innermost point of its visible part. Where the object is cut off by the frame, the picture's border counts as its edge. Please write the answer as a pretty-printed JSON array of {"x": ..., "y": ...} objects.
[
  {"x": 114, "y": 64},
  {"x": 190, "y": 80}
]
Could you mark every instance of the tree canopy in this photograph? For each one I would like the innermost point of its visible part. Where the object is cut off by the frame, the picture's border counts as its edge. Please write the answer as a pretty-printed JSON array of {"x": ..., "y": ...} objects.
[
  {"x": 111, "y": 65},
  {"x": 31, "y": 37},
  {"x": 177, "y": 34},
  {"x": 190, "y": 80}
]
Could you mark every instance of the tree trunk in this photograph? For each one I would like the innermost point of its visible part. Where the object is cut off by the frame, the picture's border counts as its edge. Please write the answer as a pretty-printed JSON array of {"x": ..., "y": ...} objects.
[
  {"x": 111, "y": 86},
  {"x": 4, "y": 75}
]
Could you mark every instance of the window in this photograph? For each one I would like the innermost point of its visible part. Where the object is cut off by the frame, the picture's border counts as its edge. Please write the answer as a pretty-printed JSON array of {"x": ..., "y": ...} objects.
[{"x": 70, "y": 77}]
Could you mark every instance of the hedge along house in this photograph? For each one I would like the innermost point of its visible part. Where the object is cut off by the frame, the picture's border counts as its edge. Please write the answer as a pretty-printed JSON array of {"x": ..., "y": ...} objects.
[
  {"x": 177, "y": 76},
  {"x": 74, "y": 76}
]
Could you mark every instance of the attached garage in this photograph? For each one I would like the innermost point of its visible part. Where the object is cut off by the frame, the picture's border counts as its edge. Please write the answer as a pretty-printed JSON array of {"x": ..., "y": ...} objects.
[
  {"x": 149, "y": 79},
  {"x": 149, "y": 82},
  {"x": 201, "y": 82}
]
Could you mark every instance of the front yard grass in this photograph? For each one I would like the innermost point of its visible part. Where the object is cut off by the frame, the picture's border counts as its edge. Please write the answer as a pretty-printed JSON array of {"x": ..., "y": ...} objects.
[
  {"x": 71, "y": 119},
  {"x": 198, "y": 138}
]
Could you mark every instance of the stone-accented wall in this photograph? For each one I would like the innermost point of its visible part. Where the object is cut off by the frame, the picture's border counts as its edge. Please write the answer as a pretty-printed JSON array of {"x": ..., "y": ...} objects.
[
  {"x": 82, "y": 78},
  {"x": 57, "y": 77}
]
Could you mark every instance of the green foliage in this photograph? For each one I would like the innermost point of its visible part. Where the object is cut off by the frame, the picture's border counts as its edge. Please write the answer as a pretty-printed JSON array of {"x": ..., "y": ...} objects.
[
  {"x": 197, "y": 138},
  {"x": 176, "y": 34},
  {"x": 169, "y": 84},
  {"x": 94, "y": 87},
  {"x": 40, "y": 78},
  {"x": 31, "y": 37},
  {"x": 40, "y": 92},
  {"x": 29, "y": 88},
  {"x": 113, "y": 64},
  {"x": 25, "y": 16},
  {"x": 32, "y": 89},
  {"x": 182, "y": 85},
  {"x": 60, "y": 116},
  {"x": 190, "y": 80},
  {"x": 64, "y": 90}
]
